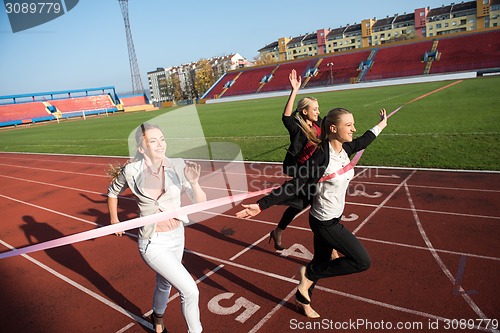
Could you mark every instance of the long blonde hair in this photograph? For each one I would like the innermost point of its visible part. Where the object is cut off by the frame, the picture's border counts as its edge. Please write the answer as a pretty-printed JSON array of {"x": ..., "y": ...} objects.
[
  {"x": 308, "y": 131},
  {"x": 140, "y": 134}
]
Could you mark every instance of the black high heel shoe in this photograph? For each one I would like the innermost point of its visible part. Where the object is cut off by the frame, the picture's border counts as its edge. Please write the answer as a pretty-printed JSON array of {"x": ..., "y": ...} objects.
[
  {"x": 157, "y": 320},
  {"x": 277, "y": 245},
  {"x": 301, "y": 304}
]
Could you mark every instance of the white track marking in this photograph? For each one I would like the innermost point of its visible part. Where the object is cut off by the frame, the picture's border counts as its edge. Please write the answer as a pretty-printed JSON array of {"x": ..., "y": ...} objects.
[
  {"x": 57, "y": 212},
  {"x": 54, "y": 170},
  {"x": 268, "y": 316},
  {"x": 82, "y": 288},
  {"x": 382, "y": 203},
  {"x": 263, "y": 238},
  {"x": 439, "y": 261},
  {"x": 332, "y": 291}
]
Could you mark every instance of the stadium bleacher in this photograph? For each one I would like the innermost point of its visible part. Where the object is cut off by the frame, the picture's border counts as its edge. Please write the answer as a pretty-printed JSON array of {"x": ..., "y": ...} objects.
[
  {"x": 344, "y": 68},
  {"x": 399, "y": 61},
  {"x": 441, "y": 54},
  {"x": 468, "y": 52},
  {"x": 46, "y": 106},
  {"x": 89, "y": 104},
  {"x": 280, "y": 80},
  {"x": 21, "y": 113}
]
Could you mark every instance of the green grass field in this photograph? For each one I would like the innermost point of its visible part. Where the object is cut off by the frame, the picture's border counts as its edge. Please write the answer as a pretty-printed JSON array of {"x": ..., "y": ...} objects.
[{"x": 457, "y": 128}]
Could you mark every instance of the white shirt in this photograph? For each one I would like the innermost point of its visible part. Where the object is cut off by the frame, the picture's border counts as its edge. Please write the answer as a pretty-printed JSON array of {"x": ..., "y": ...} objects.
[{"x": 329, "y": 202}]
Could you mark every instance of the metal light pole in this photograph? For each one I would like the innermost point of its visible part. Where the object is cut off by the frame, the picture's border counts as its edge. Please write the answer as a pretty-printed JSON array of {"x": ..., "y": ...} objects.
[
  {"x": 330, "y": 65},
  {"x": 137, "y": 86}
]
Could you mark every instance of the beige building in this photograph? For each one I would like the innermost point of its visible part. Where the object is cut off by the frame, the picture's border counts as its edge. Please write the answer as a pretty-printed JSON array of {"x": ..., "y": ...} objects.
[{"x": 422, "y": 22}]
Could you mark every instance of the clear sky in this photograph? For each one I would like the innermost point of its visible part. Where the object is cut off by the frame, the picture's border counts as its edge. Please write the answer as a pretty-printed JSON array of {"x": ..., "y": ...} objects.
[{"x": 86, "y": 47}]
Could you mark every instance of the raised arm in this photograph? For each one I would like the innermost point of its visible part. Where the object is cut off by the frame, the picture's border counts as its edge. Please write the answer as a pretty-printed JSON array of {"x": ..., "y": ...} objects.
[
  {"x": 295, "y": 83},
  {"x": 192, "y": 172}
]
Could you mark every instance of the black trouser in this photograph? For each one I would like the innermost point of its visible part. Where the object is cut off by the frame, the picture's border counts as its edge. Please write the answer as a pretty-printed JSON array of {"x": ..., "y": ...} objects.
[
  {"x": 287, "y": 217},
  {"x": 329, "y": 235}
]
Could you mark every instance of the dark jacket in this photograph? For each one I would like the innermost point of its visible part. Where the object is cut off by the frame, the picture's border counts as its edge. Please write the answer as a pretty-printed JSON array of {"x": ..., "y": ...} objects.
[
  {"x": 300, "y": 190},
  {"x": 298, "y": 141}
]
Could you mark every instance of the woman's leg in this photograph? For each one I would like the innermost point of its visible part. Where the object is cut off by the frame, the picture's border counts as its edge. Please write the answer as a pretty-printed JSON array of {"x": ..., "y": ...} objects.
[
  {"x": 164, "y": 255},
  {"x": 287, "y": 218},
  {"x": 329, "y": 235}
]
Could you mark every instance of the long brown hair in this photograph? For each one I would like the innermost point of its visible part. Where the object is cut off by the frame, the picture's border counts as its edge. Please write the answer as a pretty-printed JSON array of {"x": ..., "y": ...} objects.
[
  {"x": 140, "y": 134},
  {"x": 308, "y": 131}
]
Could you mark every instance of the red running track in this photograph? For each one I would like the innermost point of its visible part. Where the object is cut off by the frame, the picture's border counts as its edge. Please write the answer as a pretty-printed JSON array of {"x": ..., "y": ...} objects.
[{"x": 432, "y": 237}]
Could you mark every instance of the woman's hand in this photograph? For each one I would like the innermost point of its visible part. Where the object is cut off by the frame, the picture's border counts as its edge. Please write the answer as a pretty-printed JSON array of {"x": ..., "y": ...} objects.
[
  {"x": 383, "y": 119},
  {"x": 249, "y": 211},
  {"x": 119, "y": 233},
  {"x": 192, "y": 172},
  {"x": 295, "y": 81}
]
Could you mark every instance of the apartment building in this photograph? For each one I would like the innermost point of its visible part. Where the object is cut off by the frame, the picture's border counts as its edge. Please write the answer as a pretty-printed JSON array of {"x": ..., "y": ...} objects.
[{"x": 422, "y": 22}]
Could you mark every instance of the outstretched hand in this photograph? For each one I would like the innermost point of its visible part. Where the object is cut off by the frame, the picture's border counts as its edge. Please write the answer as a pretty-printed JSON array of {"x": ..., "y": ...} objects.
[
  {"x": 192, "y": 172},
  {"x": 295, "y": 81},
  {"x": 249, "y": 211},
  {"x": 383, "y": 119}
]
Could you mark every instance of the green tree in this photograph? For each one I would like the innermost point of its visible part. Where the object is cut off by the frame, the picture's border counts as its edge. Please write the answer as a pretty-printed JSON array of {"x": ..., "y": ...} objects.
[
  {"x": 263, "y": 59},
  {"x": 204, "y": 77}
]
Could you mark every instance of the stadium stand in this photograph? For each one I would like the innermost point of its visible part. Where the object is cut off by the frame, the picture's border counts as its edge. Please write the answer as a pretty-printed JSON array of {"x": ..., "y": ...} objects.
[
  {"x": 398, "y": 61},
  {"x": 222, "y": 85},
  {"x": 468, "y": 52},
  {"x": 45, "y": 106},
  {"x": 249, "y": 81},
  {"x": 136, "y": 103},
  {"x": 71, "y": 107},
  {"x": 280, "y": 80},
  {"x": 22, "y": 113},
  {"x": 345, "y": 69},
  {"x": 459, "y": 52}
]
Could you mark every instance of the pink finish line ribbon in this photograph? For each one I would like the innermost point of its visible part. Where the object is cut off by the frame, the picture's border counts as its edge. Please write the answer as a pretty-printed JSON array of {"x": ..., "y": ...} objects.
[
  {"x": 133, "y": 223},
  {"x": 186, "y": 210}
]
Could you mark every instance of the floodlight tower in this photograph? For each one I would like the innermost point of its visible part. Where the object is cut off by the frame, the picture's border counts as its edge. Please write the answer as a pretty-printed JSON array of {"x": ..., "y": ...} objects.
[{"x": 137, "y": 86}]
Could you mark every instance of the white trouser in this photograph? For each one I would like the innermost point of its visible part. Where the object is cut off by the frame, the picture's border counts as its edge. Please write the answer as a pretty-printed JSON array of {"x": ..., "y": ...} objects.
[{"x": 163, "y": 253}]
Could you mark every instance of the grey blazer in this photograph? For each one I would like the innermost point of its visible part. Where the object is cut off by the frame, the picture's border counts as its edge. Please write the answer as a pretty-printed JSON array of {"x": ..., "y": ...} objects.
[{"x": 132, "y": 176}]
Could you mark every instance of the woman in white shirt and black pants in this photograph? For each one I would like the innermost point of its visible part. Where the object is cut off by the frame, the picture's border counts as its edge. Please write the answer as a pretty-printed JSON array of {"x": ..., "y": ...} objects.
[{"x": 323, "y": 183}]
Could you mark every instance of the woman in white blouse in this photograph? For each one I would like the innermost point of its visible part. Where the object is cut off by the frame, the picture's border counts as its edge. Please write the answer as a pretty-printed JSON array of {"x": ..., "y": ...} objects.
[{"x": 323, "y": 183}]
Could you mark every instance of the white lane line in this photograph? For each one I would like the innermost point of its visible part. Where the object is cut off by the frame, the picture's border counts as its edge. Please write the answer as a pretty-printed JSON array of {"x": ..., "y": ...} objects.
[
  {"x": 367, "y": 239},
  {"x": 269, "y": 274},
  {"x": 440, "y": 262},
  {"x": 332, "y": 291},
  {"x": 382, "y": 203},
  {"x": 57, "y": 212},
  {"x": 251, "y": 176},
  {"x": 271, "y": 313},
  {"x": 83, "y": 289},
  {"x": 54, "y": 170}
]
